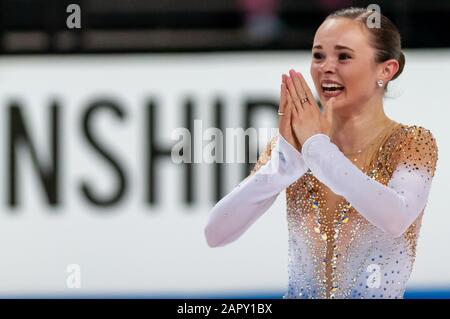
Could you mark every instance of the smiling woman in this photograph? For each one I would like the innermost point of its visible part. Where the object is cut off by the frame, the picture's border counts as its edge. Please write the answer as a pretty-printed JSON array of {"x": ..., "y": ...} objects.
[{"x": 357, "y": 182}]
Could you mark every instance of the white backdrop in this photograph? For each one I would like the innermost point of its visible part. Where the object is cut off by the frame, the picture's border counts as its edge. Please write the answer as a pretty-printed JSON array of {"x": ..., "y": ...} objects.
[{"x": 134, "y": 248}]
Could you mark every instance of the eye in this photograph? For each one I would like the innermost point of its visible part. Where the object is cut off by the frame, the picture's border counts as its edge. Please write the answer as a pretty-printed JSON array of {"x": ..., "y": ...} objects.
[
  {"x": 344, "y": 56},
  {"x": 317, "y": 55}
]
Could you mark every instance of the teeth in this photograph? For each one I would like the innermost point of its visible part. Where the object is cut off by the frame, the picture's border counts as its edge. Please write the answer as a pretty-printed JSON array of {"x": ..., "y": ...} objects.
[{"x": 331, "y": 85}]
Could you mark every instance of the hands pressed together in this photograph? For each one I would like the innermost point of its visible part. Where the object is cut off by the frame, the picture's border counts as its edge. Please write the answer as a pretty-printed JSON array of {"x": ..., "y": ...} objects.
[{"x": 300, "y": 116}]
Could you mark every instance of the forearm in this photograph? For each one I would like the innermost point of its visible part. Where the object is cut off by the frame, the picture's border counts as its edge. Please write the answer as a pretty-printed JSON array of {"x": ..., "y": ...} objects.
[
  {"x": 392, "y": 208},
  {"x": 238, "y": 210}
]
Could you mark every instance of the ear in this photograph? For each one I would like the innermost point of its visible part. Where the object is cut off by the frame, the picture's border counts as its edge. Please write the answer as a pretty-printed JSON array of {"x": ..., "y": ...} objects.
[{"x": 388, "y": 69}]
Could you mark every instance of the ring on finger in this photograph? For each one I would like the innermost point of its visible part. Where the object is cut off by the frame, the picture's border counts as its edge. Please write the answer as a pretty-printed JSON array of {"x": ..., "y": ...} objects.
[{"x": 304, "y": 100}]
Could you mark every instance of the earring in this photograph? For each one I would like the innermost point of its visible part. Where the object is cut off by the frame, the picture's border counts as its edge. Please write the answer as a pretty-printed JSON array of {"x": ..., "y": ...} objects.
[{"x": 380, "y": 83}]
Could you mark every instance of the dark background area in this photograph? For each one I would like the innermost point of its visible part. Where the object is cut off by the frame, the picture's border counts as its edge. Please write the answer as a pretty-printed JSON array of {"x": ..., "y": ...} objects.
[{"x": 39, "y": 26}]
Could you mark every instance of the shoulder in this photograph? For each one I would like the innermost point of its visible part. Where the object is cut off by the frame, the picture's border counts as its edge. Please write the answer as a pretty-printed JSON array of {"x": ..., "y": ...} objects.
[
  {"x": 417, "y": 130},
  {"x": 419, "y": 136},
  {"x": 418, "y": 145}
]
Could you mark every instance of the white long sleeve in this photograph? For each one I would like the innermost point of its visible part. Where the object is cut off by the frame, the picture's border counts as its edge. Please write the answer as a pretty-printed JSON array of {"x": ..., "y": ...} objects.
[
  {"x": 239, "y": 209},
  {"x": 392, "y": 208}
]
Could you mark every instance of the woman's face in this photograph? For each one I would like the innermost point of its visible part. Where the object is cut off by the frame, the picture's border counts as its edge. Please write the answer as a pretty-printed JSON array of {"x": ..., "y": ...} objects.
[{"x": 343, "y": 63}]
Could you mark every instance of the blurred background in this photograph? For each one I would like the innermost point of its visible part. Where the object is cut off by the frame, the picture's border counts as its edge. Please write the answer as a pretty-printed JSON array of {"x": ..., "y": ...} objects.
[
  {"x": 91, "y": 92},
  {"x": 198, "y": 26}
]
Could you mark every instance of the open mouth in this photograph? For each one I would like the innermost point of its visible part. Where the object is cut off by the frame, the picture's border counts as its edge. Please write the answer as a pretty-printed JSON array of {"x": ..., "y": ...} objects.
[{"x": 332, "y": 89}]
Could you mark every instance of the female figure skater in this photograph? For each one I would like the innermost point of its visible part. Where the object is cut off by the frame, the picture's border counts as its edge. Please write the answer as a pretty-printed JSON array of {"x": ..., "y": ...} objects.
[{"x": 356, "y": 181}]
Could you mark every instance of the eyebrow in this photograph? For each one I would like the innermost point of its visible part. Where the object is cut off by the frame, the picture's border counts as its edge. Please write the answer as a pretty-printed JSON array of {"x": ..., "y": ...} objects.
[{"x": 337, "y": 47}]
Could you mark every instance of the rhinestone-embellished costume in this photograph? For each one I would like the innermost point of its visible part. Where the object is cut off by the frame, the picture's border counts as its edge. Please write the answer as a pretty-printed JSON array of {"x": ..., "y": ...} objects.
[{"x": 353, "y": 228}]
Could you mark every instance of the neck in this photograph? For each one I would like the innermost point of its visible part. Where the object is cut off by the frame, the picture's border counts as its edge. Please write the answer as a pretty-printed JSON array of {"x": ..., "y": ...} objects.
[{"x": 350, "y": 131}]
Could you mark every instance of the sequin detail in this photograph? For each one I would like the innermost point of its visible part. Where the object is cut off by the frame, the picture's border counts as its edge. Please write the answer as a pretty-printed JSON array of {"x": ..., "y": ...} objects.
[{"x": 334, "y": 252}]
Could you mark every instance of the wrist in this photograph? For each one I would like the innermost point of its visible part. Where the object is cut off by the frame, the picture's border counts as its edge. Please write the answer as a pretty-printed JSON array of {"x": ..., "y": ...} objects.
[{"x": 313, "y": 139}]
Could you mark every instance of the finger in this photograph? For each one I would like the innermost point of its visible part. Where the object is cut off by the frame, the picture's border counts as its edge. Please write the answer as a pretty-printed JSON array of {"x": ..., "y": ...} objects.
[
  {"x": 283, "y": 99},
  {"x": 329, "y": 109},
  {"x": 285, "y": 127},
  {"x": 297, "y": 106},
  {"x": 290, "y": 105},
  {"x": 293, "y": 94},
  {"x": 310, "y": 105},
  {"x": 306, "y": 88},
  {"x": 288, "y": 113},
  {"x": 293, "y": 121},
  {"x": 283, "y": 108},
  {"x": 297, "y": 84},
  {"x": 286, "y": 109}
]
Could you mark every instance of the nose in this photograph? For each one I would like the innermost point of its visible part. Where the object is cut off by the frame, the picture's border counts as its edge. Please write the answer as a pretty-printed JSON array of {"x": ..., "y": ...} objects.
[{"x": 328, "y": 66}]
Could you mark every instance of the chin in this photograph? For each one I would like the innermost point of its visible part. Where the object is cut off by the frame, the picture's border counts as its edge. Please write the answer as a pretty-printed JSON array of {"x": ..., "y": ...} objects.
[{"x": 325, "y": 99}]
